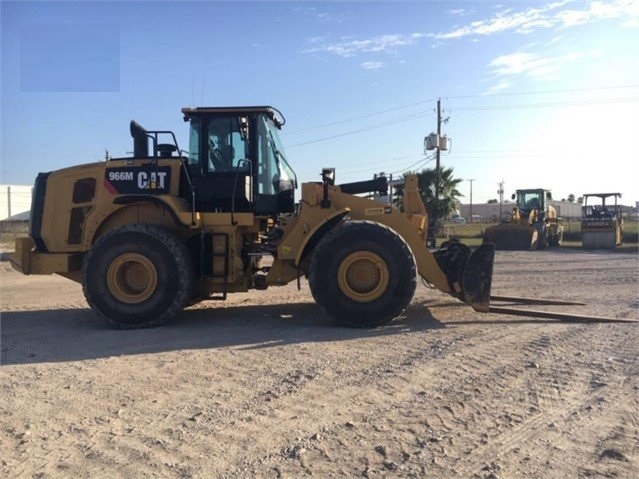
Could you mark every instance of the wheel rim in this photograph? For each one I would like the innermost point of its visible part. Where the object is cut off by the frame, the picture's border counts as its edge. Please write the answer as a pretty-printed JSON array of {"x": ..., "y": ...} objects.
[
  {"x": 132, "y": 278},
  {"x": 363, "y": 276}
]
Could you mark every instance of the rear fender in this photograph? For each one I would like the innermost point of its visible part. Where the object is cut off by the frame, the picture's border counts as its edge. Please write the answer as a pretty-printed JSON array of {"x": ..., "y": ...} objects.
[
  {"x": 150, "y": 210},
  {"x": 154, "y": 200}
]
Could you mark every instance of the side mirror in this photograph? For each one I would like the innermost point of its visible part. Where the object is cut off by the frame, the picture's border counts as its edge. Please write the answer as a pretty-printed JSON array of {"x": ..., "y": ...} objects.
[
  {"x": 328, "y": 176},
  {"x": 244, "y": 128}
]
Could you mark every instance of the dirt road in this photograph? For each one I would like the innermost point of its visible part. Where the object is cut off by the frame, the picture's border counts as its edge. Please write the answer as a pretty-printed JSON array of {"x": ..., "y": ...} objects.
[{"x": 265, "y": 386}]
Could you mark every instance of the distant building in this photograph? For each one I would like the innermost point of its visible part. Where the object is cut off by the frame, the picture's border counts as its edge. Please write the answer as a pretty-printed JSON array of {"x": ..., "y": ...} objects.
[
  {"x": 484, "y": 212},
  {"x": 490, "y": 212},
  {"x": 567, "y": 210},
  {"x": 14, "y": 200}
]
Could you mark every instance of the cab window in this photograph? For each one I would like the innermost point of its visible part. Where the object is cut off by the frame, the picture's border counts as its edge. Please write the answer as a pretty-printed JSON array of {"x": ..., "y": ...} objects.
[
  {"x": 226, "y": 147},
  {"x": 194, "y": 142},
  {"x": 274, "y": 175}
]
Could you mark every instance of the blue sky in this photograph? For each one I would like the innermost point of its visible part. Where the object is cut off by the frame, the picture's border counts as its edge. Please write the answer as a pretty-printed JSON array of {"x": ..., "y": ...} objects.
[{"x": 537, "y": 94}]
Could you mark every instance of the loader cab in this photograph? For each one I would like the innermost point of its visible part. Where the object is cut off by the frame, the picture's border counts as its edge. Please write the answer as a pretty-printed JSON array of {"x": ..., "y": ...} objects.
[
  {"x": 529, "y": 200},
  {"x": 236, "y": 161}
]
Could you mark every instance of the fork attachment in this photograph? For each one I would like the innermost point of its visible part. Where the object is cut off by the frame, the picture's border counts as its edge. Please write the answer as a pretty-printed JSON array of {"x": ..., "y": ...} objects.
[{"x": 469, "y": 274}]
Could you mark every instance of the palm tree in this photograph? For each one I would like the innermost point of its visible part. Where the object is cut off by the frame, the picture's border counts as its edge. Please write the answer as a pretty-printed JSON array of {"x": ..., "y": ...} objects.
[
  {"x": 437, "y": 210},
  {"x": 448, "y": 193}
]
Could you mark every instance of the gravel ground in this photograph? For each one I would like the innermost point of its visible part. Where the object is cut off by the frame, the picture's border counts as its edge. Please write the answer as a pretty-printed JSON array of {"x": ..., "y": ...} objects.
[{"x": 264, "y": 385}]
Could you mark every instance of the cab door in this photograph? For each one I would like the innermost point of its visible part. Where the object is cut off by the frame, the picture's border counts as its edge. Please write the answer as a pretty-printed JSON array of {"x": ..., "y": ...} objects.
[{"x": 219, "y": 164}]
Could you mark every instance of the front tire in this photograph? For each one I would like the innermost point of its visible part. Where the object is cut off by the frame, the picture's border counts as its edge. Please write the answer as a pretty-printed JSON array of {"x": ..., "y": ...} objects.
[
  {"x": 556, "y": 239},
  {"x": 542, "y": 238},
  {"x": 362, "y": 274},
  {"x": 138, "y": 276}
]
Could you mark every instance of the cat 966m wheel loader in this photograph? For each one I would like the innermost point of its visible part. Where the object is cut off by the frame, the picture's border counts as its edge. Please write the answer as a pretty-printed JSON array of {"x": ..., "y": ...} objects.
[{"x": 149, "y": 234}]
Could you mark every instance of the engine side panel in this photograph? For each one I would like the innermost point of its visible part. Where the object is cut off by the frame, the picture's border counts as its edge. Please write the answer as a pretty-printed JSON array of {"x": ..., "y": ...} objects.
[{"x": 74, "y": 204}]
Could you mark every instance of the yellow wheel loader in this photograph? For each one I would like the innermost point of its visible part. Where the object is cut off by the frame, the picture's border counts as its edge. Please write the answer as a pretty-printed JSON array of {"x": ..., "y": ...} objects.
[
  {"x": 150, "y": 234},
  {"x": 601, "y": 224},
  {"x": 533, "y": 223}
]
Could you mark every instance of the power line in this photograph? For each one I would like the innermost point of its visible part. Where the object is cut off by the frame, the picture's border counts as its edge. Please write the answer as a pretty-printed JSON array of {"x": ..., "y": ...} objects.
[
  {"x": 548, "y": 92},
  {"x": 339, "y": 122},
  {"x": 355, "y": 169},
  {"x": 382, "y": 162},
  {"x": 359, "y": 130},
  {"x": 421, "y": 114},
  {"x": 545, "y": 105},
  {"x": 415, "y": 165},
  {"x": 523, "y": 93},
  {"x": 470, "y": 154}
]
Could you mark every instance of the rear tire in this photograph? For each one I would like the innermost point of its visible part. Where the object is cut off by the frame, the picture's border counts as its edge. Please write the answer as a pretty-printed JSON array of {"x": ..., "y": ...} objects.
[
  {"x": 362, "y": 274},
  {"x": 138, "y": 276}
]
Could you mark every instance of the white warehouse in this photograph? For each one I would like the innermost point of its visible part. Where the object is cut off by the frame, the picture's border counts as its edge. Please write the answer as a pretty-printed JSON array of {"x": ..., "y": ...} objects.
[
  {"x": 15, "y": 201},
  {"x": 490, "y": 212}
]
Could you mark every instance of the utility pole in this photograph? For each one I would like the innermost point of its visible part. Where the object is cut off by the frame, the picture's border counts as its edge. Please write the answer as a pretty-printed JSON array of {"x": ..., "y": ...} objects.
[
  {"x": 435, "y": 141},
  {"x": 500, "y": 191},
  {"x": 8, "y": 202},
  {"x": 437, "y": 153},
  {"x": 470, "y": 219},
  {"x": 437, "y": 172}
]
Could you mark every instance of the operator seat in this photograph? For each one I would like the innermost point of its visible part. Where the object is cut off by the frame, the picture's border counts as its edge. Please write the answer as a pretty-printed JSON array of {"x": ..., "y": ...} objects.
[{"x": 228, "y": 154}]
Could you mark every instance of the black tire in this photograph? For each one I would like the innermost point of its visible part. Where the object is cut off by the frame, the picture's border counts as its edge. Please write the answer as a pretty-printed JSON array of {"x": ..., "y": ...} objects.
[
  {"x": 362, "y": 274},
  {"x": 138, "y": 276},
  {"x": 542, "y": 241},
  {"x": 558, "y": 237}
]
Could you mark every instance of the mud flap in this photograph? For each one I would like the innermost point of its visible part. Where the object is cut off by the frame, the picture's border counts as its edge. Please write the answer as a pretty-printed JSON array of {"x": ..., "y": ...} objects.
[{"x": 478, "y": 277}]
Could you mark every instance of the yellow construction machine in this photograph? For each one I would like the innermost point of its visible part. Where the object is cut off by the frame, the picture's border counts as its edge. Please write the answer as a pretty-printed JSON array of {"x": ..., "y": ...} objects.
[
  {"x": 533, "y": 223},
  {"x": 601, "y": 224},
  {"x": 150, "y": 234}
]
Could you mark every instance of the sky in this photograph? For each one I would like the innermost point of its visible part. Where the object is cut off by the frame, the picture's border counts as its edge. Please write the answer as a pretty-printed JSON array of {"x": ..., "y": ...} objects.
[{"x": 533, "y": 93}]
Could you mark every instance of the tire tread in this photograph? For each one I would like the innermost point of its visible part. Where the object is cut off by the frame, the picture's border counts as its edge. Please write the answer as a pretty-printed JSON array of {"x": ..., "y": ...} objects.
[{"x": 176, "y": 248}]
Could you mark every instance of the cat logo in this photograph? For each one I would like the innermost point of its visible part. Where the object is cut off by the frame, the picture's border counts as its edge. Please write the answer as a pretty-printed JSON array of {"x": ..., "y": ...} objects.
[{"x": 152, "y": 180}]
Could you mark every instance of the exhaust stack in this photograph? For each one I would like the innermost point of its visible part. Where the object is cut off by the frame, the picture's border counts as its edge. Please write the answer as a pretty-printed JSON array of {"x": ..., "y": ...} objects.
[{"x": 140, "y": 140}]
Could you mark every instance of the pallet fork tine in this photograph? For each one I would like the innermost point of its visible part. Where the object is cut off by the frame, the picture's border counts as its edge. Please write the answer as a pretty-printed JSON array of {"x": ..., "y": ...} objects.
[
  {"x": 560, "y": 316},
  {"x": 519, "y": 300},
  {"x": 549, "y": 314}
]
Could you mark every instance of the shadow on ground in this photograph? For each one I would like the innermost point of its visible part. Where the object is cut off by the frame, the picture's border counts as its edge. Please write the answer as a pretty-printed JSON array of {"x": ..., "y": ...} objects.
[{"x": 30, "y": 337}]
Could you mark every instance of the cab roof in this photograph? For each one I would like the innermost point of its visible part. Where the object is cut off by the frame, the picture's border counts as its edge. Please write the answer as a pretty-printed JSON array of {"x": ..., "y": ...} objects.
[
  {"x": 273, "y": 113},
  {"x": 603, "y": 195}
]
